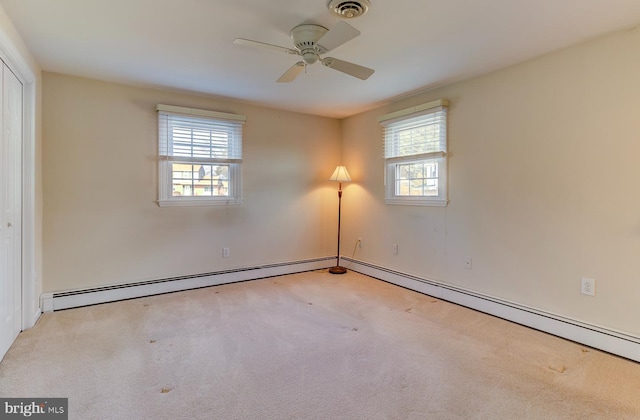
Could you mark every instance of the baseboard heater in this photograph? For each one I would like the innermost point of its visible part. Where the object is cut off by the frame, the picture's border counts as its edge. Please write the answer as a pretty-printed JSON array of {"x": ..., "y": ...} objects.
[
  {"x": 83, "y": 297},
  {"x": 611, "y": 341}
]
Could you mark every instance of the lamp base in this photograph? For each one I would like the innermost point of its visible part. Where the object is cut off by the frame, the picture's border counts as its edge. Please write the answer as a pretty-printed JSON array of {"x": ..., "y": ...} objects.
[{"x": 337, "y": 270}]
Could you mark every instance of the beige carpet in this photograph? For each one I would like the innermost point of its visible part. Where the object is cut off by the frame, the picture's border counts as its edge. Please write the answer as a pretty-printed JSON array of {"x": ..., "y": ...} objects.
[{"x": 311, "y": 346}]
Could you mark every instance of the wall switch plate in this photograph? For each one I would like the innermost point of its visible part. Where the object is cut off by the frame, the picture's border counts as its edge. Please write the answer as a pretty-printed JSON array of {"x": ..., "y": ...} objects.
[
  {"x": 359, "y": 242},
  {"x": 468, "y": 263},
  {"x": 588, "y": 286},
  {"x": 225, "y": 252},
  {"x": 395, "y": 249}
]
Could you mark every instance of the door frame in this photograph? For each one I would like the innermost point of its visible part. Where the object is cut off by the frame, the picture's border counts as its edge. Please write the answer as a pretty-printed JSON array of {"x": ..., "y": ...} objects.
[{"x": 12, "y": 57}]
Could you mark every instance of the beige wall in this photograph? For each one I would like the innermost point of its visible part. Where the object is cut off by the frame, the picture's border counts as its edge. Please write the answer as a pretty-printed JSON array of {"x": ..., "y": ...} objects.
[
  {"x": 101, "y": 223},
  {"x": 544, "y": 176}
]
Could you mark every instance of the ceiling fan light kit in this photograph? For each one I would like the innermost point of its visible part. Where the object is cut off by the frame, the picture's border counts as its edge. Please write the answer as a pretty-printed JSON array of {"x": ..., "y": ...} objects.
[
  {"x": 311, "y": 41},
  {"x": 305, "y": 38}
]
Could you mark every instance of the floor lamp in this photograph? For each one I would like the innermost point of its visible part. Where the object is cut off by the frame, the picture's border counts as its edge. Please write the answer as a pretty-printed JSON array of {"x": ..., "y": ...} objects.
[{"x": 341, "y": 175}]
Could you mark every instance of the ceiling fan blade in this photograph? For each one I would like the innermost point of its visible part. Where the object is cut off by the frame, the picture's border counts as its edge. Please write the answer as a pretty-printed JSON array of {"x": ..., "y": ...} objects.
[
  {"x": 292, "y": 73},
  {"x": 349, "y": 68},
  {"x": 250, "y": 43},
  {"x": 337, "y": 36}
]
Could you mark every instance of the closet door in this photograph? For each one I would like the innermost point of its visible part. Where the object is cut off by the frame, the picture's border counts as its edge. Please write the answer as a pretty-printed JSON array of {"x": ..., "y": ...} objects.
[{"x": 10, "y": 209}]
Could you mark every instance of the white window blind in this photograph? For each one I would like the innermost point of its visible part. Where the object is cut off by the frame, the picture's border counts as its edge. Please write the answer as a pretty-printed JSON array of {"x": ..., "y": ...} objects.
[
  {"x": 418, "y": 136},
  {"x": 200, "y": 154},
  {"x": 415, "y": 148}
]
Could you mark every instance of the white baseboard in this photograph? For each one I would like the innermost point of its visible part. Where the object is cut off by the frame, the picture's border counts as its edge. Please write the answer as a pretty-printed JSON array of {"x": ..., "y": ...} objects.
[
  {"x": 615, "y": 342},
  {"x": 34, "y": 317},
  {"x": 83, "y": 297}
]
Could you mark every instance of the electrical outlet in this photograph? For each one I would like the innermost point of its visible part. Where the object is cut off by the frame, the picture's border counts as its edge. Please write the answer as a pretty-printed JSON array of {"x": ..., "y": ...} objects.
[
  {"x": 467, "y": 263},
  {"x": 395, "y": 249},
  {"x": 225, "y": 252},
  {"x": 588, "y": 286},
  {"x": 359, "y": 242}
]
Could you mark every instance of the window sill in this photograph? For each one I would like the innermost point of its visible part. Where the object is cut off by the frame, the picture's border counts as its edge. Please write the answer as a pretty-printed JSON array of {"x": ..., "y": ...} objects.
[
  {"x": 199, "y": 202},
  {"x": 417, "y": 201}
]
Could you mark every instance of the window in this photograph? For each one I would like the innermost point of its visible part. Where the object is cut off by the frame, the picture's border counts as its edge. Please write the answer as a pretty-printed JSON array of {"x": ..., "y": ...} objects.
[
  {"x": 415, "y": 152},
  {"x": 200, "y": 157}
]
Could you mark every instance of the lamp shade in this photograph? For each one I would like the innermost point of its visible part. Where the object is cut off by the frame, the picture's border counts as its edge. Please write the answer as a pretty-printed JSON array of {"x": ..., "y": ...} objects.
[{"x": 340, "y": 175}]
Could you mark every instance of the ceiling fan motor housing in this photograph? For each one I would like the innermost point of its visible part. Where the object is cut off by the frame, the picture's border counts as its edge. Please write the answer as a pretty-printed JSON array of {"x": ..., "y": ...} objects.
[{"x": 305, "y": 37}]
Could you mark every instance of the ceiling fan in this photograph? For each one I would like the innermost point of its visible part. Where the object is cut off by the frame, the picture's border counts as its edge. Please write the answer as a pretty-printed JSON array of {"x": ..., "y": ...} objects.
[{"x": 311, "y": 41}]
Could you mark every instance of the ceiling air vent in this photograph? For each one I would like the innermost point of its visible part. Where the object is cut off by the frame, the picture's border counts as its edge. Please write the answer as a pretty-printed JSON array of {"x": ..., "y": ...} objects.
[{"x": 349, "y": 9}]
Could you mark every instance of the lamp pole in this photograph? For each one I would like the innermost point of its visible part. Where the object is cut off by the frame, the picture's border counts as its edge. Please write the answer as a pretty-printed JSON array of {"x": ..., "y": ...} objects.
[
  {"x": 341, "y": 175},
  {"x": 337, "y": 269}
]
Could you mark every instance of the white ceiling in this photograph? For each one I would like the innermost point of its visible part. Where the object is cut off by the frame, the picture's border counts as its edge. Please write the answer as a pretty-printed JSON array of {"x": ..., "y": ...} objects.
[{"x": 412, "y": 44}]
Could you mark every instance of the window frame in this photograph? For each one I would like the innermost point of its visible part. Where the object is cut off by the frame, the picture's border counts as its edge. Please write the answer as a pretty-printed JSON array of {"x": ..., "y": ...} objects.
[
  {"x": 392, "y": 159},
  {"x": 167, "y": 114}
]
